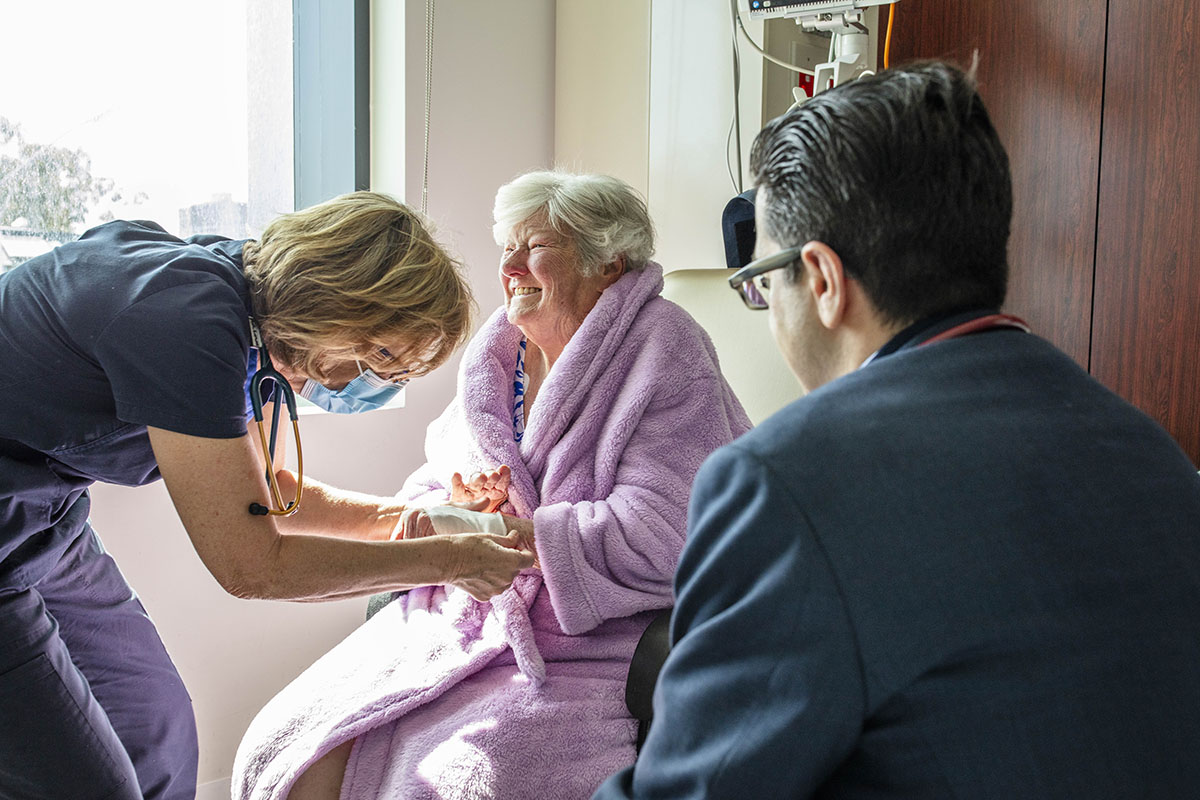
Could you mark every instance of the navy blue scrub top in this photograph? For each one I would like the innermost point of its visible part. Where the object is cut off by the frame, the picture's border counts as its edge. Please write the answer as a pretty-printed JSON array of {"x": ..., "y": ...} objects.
[{"x": 127, "y": 327}]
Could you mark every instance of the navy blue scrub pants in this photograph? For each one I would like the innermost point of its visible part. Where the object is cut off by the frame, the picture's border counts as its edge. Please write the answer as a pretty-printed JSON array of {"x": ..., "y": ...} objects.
[{"x": 90, "y": 704}]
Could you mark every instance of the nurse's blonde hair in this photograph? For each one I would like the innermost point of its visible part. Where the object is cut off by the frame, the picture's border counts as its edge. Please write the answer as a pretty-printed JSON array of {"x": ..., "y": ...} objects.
[
  {"x": 604, "y": 217},
  {"x": 358, "y": 273}
]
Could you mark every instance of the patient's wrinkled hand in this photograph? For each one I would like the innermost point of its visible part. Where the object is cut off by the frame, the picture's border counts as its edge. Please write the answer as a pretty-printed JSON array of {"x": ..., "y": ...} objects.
[
  {"x": 485, "y": 564},
  {"x": 414, "y": 524},
  {"x": 482, "y": 491}
]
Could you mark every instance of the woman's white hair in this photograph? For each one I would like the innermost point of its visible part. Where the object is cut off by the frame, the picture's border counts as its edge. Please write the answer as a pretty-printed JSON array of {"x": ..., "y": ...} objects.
[{"x": 603, "y": 216}]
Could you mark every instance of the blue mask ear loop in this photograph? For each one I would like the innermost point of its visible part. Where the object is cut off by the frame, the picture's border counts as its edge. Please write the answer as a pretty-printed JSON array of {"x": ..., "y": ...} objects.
[{"x": 267, "y": 372}]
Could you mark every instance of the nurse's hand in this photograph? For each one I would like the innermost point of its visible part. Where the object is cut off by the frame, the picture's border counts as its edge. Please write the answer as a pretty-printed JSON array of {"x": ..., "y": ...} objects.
[
  {"x": 212, "y": 483},
  {"x": 484, "y": 564},
  {"x": 482, "y": 491}
]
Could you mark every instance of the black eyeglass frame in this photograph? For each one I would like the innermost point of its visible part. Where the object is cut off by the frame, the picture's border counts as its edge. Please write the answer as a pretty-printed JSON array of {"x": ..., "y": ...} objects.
[{"x": 760, "y": 266}]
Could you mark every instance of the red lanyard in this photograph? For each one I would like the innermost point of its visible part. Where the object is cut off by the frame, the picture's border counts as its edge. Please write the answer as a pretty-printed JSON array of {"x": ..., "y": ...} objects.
[{"x": 980, "y": 324}]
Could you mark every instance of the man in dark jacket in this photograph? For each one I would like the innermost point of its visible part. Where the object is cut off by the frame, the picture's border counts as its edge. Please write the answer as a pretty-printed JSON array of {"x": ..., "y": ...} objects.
[{"x": 958, "y": 567}]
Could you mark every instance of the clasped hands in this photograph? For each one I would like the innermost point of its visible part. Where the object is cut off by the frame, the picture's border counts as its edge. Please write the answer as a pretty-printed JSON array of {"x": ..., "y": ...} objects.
[{"x": 481, "y": 492}]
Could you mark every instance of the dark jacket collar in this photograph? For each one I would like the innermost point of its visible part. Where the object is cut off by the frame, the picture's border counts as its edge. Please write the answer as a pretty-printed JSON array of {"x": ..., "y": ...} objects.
[{"x": 929, "y": 327}]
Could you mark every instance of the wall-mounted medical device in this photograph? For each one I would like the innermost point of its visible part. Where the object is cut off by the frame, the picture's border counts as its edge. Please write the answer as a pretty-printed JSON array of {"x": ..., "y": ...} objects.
[
  {"x": 844, "y": 20},
  {"x": 811, "y": 14}
]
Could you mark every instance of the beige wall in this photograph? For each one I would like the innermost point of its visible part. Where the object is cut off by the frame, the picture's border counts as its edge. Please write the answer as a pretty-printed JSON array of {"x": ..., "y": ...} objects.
[
  {"x": 691, "y": 108},
  {"x": 644, "y": 91},
  {"x": 602, "y": 85}
]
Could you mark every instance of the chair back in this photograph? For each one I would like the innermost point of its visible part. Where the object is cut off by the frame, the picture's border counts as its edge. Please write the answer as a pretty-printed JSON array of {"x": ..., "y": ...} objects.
[{"x": 762, "y": 382}]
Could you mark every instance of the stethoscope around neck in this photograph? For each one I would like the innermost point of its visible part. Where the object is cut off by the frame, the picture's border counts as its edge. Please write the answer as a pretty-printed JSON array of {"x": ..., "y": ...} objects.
[
  {"x": 267, "y": 372},
  {"x": 984, "y": 323}
]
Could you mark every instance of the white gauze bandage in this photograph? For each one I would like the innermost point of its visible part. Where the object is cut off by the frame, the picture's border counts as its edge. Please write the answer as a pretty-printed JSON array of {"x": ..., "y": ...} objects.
[{"x": 450, "y": 519}]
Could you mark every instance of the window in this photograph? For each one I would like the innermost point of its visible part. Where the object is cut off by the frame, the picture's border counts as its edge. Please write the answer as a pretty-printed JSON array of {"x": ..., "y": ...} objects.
[
  {"x": 140, "y": 109},
  {"x": 189, "y": 115}
]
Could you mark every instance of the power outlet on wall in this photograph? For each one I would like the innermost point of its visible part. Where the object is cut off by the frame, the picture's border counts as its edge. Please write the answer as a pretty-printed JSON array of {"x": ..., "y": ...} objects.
[{"x": 808, "y": 53}]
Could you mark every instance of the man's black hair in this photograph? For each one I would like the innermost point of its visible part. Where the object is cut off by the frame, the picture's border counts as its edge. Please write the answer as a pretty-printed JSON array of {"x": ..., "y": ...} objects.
[{"x": 904, "y": 176}]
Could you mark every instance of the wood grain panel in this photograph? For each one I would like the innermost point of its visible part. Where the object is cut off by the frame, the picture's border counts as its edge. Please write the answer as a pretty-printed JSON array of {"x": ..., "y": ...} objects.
[
  {"x": 1041, "y": 76},
  {"x": 1146, "y": 337}
]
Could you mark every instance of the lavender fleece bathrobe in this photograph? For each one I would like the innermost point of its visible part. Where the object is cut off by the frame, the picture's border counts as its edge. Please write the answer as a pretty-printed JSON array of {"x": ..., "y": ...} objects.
[{"x": 523, "y": 697}]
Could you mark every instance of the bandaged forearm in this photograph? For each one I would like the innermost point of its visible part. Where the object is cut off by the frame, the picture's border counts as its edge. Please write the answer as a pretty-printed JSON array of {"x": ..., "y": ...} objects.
[{"x": 450, "y": 519}]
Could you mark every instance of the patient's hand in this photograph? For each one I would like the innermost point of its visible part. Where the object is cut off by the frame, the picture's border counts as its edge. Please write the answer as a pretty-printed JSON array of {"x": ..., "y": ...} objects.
[
  {"x": 482, "y": 491},
  {"x": 414, "y": 524}
]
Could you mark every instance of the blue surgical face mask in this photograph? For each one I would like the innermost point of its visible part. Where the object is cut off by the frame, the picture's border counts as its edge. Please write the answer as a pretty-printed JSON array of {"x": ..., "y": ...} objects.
[{"x": 367, "y": 392}]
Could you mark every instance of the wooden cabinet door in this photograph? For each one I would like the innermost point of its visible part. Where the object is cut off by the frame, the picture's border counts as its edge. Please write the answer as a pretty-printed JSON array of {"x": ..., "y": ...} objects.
[{"x": 1146, "y": 329}]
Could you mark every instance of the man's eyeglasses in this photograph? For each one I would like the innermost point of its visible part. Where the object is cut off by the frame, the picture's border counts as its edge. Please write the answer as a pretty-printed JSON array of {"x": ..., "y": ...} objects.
[{"x": 751, "y": 281}]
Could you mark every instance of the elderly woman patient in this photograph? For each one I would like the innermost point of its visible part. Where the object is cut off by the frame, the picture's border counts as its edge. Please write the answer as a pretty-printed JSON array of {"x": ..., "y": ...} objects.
[{"x": 586, "y": 404}]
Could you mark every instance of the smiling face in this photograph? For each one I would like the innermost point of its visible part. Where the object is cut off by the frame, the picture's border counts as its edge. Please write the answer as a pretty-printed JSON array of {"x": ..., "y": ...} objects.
[{"x": 546, "y": 293}]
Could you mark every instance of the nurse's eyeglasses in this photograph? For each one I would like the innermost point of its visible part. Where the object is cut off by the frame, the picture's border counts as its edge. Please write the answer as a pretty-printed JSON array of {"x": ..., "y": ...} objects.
[
  {"x": 751, "y": 281},
  {"x": 399, "y": 378}
]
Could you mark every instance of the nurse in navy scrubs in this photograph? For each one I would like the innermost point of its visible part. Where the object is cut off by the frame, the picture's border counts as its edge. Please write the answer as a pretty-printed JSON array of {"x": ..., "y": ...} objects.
[{"x": 125, "y": 356}]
